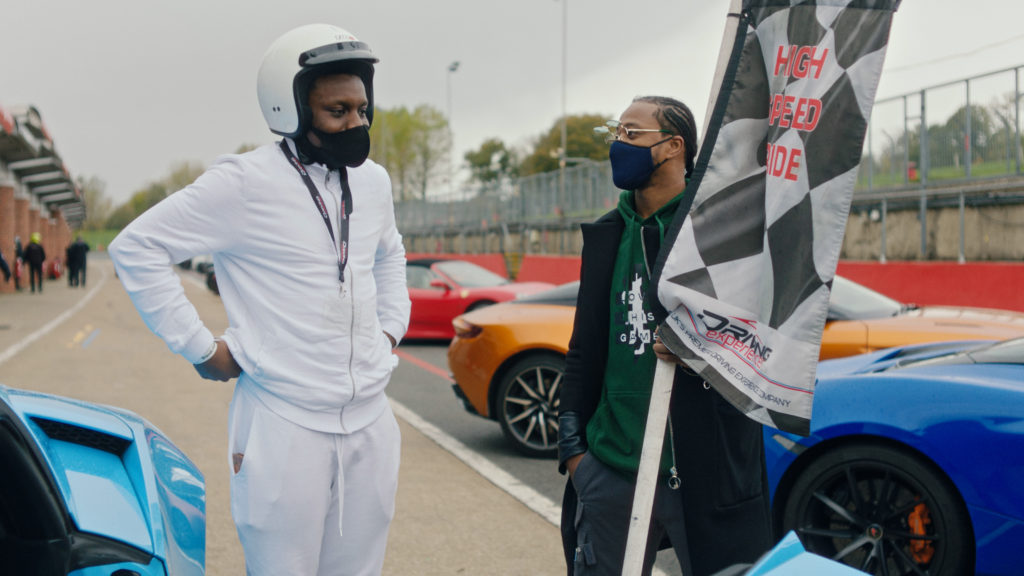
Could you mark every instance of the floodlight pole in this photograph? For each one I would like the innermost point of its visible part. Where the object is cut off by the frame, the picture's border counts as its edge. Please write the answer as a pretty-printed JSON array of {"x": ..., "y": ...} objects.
[
  {"x": 452, "y": 68},
  {"x": 563, "y": 152}
]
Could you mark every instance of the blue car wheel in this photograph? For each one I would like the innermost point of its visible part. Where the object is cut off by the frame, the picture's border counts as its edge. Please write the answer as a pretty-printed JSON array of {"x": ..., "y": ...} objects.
[{"x": 881, "y": 510}]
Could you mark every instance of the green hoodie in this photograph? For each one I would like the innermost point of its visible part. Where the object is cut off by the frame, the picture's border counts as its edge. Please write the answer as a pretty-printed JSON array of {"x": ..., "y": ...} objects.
[{"x": 615, "y": 433}]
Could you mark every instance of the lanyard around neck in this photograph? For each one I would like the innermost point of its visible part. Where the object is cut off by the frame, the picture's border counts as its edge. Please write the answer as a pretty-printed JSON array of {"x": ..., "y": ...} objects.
[{"x": 345, "y": 212}]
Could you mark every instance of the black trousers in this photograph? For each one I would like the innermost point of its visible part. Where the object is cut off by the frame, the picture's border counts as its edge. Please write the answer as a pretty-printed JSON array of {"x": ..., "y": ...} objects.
[
  {"x": 35, "y": 274},
  {"x": 603, "y": 507}
]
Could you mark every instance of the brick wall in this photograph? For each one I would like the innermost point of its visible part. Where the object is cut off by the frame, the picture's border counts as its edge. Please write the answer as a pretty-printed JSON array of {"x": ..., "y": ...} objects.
[{"x": 7, "y": 233}]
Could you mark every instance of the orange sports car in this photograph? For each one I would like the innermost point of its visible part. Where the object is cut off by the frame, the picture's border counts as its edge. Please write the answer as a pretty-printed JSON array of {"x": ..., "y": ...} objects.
[{"x": 507, "y": 359}]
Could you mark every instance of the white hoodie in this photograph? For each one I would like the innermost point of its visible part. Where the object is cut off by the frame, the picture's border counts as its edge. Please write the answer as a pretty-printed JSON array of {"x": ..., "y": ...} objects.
[{"x": 312, "y": 348}]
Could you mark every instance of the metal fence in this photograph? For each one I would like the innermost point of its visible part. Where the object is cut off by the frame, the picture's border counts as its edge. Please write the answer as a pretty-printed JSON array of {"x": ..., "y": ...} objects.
[
  {"x": 953, "y": 144},
  {"x": 971, "y": 130},
  {"x": 539, "y": 200},
  {"x": 957, "y": 143}
]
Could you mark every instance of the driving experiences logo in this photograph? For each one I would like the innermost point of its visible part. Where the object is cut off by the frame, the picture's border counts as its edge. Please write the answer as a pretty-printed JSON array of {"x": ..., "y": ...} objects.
[{"x": 736, "y": 334}]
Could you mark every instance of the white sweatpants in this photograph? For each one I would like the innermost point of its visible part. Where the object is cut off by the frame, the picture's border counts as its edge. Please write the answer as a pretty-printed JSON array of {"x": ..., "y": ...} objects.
[{"x": 310, "y": 503}]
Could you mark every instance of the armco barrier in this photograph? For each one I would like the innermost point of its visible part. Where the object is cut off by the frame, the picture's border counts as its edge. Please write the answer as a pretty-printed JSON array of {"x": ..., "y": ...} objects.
[{"x": 977, "y": 284}]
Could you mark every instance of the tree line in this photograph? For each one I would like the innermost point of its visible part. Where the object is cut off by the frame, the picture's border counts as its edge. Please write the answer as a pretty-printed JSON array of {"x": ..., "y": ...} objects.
[{"x": 413, "y": 144}]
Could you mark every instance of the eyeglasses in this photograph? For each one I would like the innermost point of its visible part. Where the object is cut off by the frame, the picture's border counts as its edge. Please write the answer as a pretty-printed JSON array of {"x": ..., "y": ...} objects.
[{"x": 613, "y": 130}]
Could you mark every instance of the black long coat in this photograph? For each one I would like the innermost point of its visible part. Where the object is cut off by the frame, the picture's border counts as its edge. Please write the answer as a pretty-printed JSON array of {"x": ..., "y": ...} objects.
[{"x": 719, "y": 452}]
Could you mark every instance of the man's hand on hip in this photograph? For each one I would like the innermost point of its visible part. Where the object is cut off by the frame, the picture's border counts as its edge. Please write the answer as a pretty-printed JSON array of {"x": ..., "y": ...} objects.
[
  {"x": 571, "y": 463},
  {"x": 221, "y": 366}
]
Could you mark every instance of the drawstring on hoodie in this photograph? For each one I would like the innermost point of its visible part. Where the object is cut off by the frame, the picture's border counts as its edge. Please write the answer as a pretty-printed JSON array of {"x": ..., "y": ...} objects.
[{"x": 674, "y": 481}]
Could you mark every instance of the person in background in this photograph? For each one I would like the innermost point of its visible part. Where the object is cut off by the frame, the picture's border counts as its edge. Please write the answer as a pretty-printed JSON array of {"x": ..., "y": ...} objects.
[
  {"x": 70, "y": 268},
  {"x": 311, "y": 271},
  {"x": 5, "y": 268},
  {"x": 82, "y": 249},
  {"x": 711, "y": 502},
  {"x": 34, "y": 256},
  {"x": 18, "y": 261},
  {"x": 76, "y": 260}
]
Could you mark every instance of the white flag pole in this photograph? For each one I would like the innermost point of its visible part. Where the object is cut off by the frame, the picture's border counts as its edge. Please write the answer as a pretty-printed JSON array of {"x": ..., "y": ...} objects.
[
  {"x": 728, "y": 37},
  {"x": 647, "y": 475},
  {"x": 664, "y": 374}
]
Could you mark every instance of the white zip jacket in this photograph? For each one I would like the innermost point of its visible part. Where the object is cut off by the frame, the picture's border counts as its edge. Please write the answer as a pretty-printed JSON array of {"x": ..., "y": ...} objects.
[{"x": 312, "y": 348}]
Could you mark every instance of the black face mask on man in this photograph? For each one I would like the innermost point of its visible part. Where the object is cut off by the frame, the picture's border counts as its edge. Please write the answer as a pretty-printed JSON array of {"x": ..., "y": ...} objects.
[
  {"x": 348, "y": 148},
  {"x": 632, "y": 166}
]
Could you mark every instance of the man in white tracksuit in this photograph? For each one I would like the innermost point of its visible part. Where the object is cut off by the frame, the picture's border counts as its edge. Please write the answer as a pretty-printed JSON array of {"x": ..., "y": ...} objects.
[{"x": 311, "y": 270}]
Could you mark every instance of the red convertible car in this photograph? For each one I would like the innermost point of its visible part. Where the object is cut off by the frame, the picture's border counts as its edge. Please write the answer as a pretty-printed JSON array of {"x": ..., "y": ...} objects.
[{"x": 440, "y": 290}]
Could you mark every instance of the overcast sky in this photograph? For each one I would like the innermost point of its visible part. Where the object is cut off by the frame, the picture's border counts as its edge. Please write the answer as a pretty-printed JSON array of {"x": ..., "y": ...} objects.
[{"x": 128, "y": 88}]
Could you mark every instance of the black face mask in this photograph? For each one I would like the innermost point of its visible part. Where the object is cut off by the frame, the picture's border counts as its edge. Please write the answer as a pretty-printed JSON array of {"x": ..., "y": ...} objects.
[{"x": 338, "y": 149}]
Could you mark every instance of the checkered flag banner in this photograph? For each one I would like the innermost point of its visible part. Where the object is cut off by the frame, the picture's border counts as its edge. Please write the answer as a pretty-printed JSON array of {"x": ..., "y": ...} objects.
[{"x": 747, "y": 278}]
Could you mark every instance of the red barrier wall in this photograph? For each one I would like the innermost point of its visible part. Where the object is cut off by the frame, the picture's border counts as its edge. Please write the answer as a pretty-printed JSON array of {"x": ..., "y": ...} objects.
[
  {"x": 978, "y": 284},
  {"x": 554, "y": 269}
]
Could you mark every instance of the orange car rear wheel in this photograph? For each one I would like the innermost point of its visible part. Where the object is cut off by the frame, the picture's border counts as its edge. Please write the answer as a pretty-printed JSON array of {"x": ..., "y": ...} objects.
[{"x": 527, "y": 404}]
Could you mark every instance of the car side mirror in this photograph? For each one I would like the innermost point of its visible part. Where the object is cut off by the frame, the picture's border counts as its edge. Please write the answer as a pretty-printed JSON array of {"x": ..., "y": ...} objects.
[{"x": 438, "y": 283}]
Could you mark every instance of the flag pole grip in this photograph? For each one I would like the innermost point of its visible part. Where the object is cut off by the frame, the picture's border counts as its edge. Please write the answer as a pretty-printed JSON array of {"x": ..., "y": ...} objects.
[{"x": 647, "y": 475}]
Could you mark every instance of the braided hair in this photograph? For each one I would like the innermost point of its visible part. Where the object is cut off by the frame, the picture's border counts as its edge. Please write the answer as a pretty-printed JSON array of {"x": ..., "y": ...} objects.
[{"x": 674, "y": 116}]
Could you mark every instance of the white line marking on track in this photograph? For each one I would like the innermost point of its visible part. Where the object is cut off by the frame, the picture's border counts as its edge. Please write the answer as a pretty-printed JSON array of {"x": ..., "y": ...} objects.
[
  {"x": 532, "y": 499},
  {"x": 12, "y": 350}
]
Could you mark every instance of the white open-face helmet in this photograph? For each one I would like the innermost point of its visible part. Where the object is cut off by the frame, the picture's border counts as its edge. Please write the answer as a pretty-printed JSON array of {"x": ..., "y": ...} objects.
[{"x": 294, "y": 60}]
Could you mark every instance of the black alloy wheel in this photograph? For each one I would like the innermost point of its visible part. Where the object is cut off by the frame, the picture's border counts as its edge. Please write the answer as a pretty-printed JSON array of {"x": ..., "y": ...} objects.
[
  {"x": 527, "y": 404},
  {"x": 881, "y": 510}
]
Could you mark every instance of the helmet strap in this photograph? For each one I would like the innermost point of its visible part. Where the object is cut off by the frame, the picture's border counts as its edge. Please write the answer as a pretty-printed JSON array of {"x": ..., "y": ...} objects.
[{"x": 307, "y": 152}]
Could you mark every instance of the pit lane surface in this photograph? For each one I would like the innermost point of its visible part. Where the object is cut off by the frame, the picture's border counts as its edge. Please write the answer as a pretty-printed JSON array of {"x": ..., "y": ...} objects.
[
  {"x": 90, "y": 344},
  {"x": 421, "y": 384}
]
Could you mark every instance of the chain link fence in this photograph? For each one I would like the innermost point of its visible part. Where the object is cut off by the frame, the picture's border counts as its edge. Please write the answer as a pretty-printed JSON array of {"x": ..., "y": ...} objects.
[
  {"x": 972, "y": 131},
  {"x": 952, "y": 145},
  {"x": 578, "y": 193}
]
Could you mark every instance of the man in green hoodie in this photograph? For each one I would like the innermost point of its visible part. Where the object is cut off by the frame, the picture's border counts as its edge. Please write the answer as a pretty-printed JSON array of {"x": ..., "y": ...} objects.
[{"x": 711, "y": 502}]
